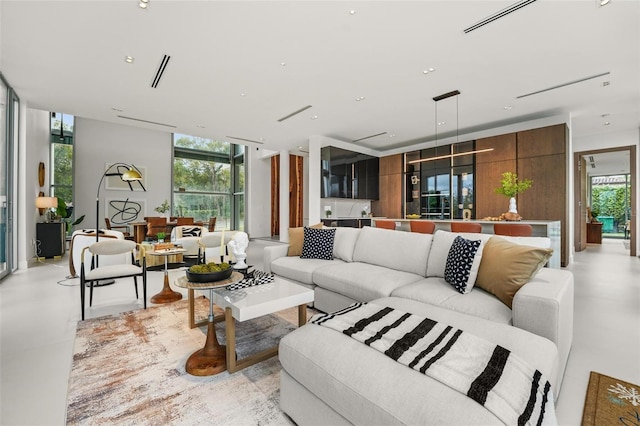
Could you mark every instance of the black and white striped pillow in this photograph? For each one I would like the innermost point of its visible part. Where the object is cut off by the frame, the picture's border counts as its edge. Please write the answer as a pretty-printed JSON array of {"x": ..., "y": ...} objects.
[{"x": 191, "y": 231}]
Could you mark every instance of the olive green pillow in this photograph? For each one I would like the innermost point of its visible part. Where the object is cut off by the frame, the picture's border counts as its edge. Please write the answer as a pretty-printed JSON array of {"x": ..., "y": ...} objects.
[
  {"x": 507, "y": 266},
  {"x": 296, "y": 239}
]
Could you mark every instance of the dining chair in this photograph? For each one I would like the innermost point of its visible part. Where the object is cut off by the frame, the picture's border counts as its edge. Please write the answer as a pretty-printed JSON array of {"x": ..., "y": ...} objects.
[
  {"x": 466, "y": 227},
  {"x": 127, "y": 267},
  {"x": 181, "y": 221},
  {"x": 212, "y": 224},
  {"x": 513, "y": 229},
  {"x": 422, "y": 226},
  {"x": 385, "y": 224},
  {"x": 84, "y": 238},
  {"x": 155, "y": 225}
]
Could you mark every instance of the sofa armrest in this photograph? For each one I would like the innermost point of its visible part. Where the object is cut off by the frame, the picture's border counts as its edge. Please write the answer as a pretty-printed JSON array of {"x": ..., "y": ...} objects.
[
  {"x": 544, "y": 306},
  {"x": 272, "y": 253}
]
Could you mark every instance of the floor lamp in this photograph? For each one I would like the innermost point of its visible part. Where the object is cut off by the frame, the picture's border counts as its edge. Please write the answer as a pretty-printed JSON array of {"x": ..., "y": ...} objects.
[{"x": 128, "y": 173}]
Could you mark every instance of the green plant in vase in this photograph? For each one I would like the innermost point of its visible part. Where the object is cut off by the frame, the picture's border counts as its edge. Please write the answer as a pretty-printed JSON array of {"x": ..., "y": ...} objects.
[
  {"x": 161, "y": 236},
  {"x": 328, "y": 213},
  {"x": 510, "y": 186}
]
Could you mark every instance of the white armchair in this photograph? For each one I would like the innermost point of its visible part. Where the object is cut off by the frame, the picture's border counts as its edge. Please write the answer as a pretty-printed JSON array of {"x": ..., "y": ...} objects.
[
  {"x": 84, "y": 238},
  {"x": 188, "y": 237},
  {"x": 210, "y": 245}
]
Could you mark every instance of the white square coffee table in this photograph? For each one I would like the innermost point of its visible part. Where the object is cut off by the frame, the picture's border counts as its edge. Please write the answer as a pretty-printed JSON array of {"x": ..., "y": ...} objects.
[{"x": 253, "y": 302}]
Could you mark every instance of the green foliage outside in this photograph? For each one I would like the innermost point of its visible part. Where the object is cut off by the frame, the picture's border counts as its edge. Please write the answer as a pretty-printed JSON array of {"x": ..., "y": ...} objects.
[{"x": 611, "y": 200}]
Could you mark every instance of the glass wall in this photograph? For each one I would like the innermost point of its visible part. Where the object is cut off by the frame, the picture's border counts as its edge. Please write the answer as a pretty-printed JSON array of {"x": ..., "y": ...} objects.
[
  {"x": 208, "y": 181},
  {"x": 9, "y": 119},
  {"x": 61, "y": 175}
]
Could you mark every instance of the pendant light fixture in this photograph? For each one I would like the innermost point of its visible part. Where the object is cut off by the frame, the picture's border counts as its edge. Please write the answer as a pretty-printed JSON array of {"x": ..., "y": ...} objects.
[{"x": 437, "y": 99}]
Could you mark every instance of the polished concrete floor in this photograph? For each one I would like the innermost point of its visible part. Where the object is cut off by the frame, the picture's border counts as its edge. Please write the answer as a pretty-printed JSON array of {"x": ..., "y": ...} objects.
[{"x": 39, "y": 310}]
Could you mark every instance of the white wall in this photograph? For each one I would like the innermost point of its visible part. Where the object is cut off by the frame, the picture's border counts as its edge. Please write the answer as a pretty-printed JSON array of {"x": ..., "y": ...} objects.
[
  {"x": 33, "y": 149},
  {"x": 97, "y": 143},
  {"x": 258, "y": 192}
]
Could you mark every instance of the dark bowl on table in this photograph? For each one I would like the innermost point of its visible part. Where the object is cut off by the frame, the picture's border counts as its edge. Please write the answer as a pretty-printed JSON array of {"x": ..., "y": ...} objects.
[{"x": 209, "y": 277}]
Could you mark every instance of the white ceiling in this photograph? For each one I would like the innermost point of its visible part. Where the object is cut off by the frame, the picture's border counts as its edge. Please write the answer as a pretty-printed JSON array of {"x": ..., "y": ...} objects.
[{"x": 237, "y": 67}]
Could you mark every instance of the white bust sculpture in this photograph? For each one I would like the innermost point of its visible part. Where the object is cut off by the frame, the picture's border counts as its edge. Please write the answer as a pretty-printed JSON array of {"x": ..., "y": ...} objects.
[{"x": 238, "y": 246}]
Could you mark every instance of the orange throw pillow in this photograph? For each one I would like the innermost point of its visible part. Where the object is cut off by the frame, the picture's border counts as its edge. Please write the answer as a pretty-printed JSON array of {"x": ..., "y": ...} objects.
[
  {"x": 507, "y": 266},
  {"x": 296, "y": 239}
]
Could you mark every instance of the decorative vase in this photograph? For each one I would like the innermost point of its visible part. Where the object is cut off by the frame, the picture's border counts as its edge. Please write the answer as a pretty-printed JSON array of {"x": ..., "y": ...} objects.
[{"x": 512, "y": 205}]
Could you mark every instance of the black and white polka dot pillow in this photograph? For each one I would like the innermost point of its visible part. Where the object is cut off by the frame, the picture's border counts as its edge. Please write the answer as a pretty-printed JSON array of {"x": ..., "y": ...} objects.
[
  {"x": 318, "y": 243},
  {"x": 460, "y": 270}
]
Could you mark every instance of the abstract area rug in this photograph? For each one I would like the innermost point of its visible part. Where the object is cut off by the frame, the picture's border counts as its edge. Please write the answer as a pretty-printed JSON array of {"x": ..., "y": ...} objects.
[
  {"x": 611, "y": 401},
  {"x": 129, "y": 369}
]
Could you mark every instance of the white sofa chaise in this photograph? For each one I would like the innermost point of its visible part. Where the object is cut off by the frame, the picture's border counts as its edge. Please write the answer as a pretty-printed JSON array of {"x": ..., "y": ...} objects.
[{"x": 404, "y": 270}]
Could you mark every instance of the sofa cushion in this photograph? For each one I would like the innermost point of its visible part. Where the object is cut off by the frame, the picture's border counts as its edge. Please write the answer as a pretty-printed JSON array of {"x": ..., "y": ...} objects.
[
  {"x": 442, "y": 241},
  {"x": 191, "y": 231},
  {"x": 361, "y": 281},
  {"x": 462, "y": 264},
  {"x": 296, "y": 238},
  {"x": 367, "y": 387},
  {"x": 402, "y": 251},
  {"x": 297, "y": 269},
  {"x": 318, "y": 243},
  {"x": 507, "y": 266},
  {"x": 345, "y": 242},
  {"x": 435, "y": 291}
]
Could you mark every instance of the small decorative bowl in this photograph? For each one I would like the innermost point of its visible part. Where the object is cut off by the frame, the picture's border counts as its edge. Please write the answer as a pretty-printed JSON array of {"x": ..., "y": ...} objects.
[{"x": 209, "y": 277}]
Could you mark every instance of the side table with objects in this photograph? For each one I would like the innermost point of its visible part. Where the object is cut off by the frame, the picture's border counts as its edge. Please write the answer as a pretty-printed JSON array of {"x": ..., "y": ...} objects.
[{"x": 166, "y": 295}]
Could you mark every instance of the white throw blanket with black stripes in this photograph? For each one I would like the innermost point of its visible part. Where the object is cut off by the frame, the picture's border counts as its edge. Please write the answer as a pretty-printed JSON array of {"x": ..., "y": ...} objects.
[{"x": 491, "y": 375}]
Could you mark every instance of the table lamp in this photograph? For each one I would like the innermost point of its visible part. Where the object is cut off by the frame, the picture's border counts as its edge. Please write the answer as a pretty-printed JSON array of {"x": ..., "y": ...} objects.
[{"x": 44, "y": 203}]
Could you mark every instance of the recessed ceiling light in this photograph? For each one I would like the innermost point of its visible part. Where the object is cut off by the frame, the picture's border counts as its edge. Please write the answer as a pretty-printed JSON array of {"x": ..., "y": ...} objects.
[
  {"x": 352, "y": 12},
  {"x": 261, "y": 139},
  {"x": 442, "y": 123},
  {"x": 606, "y": 123},
  {"x": 606, "y": 83},
  {"x": 392, "y": 135},
  {"x": 604, "y": 2},
  {"x": 428, "y": 70},
  {"x": 507, "y": 107},
  {"x": 200, "y": 126},
  {"x": 116, "y": 109},
  {"x": 314, "y": 117},
  {"x": 360, "y": 98},
  {"x": 299, "y": 146},
  {"x": 129, "y": 59},
  {"x": 605, "y": 115},
  {"x": 143, "y": 4},
  {"x": 243, "y": 94},
  {"x": 284, "y": 64}
]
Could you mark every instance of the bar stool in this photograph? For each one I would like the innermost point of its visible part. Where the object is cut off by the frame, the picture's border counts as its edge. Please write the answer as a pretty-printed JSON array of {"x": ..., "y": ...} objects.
[
  {"x": 513, "y": 229},
  {"x": 422, "y": 226},
  {"x": 466, "y": 227},
  {"x": 385, "y": 224}
]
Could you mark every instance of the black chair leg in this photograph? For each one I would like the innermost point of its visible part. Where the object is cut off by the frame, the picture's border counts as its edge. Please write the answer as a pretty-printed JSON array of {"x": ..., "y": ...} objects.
[
  {"x": 144, "y": 289},
  {"x": 135, "y": 284},
  {"x": 90, "y": 293},
  {"x": 82, "y": 287}
]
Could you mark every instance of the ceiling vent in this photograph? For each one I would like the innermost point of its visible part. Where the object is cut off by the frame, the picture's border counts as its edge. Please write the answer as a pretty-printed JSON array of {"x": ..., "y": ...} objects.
[
  {"x": 498, "y": 15},
  {"x": 368, "y": 137},
  {"x": 564, "y": 84},
  {"x": 160, "y": 72},
  {"x": 146, "y": 121},
  {"x": 286, "y": 117}
]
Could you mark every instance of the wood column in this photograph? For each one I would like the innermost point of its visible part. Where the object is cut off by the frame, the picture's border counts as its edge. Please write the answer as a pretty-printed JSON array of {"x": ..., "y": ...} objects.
[{"x": 389, "y": 203}]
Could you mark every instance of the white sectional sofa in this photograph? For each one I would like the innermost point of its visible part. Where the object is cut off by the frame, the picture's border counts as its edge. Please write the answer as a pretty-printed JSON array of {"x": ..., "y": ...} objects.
[{"x": 330, "y": 378}]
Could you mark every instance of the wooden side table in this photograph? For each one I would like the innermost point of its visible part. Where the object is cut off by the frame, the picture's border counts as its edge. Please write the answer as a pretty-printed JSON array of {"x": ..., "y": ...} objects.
[
  {"x": 167, "y": 294},
  {"x": 594, "y": 233},
  {"x": 212, "y": 359}
]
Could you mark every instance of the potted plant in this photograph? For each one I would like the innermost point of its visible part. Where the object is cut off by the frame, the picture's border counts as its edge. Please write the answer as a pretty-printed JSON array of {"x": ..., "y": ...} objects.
[
  {"x": 163, "y": 208},
  {"x": 328, "y": 213},
  {"x": 160, "y": 236},
  {"x": 510, "y": 186}
]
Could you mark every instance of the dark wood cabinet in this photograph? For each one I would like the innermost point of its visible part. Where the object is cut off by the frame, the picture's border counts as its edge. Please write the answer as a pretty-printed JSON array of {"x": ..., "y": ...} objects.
[
  {"x": 594, "y": 233},
  {"x": 50, "y": 238}
]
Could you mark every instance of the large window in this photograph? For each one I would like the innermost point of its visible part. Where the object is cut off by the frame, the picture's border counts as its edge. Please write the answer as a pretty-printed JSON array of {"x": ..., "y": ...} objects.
[
  {"x": 208, "y": 181},
  {"x": 61, "y": 139}
]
